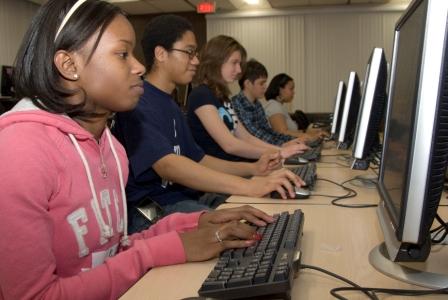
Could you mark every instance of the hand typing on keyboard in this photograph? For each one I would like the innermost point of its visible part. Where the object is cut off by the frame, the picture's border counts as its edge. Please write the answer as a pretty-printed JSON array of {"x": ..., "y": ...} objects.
[
  {"x": 222, "y": 229},
  {"x": 267, "y": 267},
  {"x": 246, "y": 212},
  {"x": 282, "y": 181},
  {"x": 292, "y": 147}
]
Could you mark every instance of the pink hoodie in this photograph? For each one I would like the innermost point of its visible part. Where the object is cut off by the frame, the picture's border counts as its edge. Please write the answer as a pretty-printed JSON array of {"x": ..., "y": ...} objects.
[{"x": 62, "y": 215}]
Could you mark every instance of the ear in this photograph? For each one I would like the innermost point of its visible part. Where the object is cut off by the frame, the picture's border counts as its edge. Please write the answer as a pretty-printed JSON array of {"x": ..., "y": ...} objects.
[
  {"x": 160, "y": 54},
  {"x": 65, "y": 63},
  {"x": 247, "y": 83}
]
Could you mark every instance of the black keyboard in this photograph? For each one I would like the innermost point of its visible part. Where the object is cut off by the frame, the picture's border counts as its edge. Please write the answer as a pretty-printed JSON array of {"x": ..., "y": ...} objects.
[
  {"x": 314, "y": 143},
  {"x": 307, "y": 173},
  {"x": 312, "y": 153},
  {"x": 267, "y": 268}
]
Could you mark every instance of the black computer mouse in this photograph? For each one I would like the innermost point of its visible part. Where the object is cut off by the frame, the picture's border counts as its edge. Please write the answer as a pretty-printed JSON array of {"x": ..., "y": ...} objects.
[
  {"x": 301, "y": 193},
  {"x": 296, "y": 160}
]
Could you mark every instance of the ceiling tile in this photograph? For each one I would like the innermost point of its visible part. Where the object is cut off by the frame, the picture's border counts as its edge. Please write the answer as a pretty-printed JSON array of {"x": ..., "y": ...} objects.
[
  {"x": 138, "y": 7},
  {"x": 301, "y": 3},
  {"x": 170, "y": 5}
]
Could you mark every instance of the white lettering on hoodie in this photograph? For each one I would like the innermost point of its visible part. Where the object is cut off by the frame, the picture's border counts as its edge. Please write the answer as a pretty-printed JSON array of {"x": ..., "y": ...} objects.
[{"x": 80, "y": 231}]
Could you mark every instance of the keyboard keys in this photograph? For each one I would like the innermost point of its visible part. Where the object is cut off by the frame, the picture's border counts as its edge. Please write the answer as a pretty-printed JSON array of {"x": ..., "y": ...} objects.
[
  {"x": 262, "y": 269},
  {"x": 307, "y": 173}
]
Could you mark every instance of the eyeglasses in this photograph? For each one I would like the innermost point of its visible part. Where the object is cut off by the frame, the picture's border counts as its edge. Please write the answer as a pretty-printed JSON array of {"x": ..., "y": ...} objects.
[{"x": 191, "y": 53}]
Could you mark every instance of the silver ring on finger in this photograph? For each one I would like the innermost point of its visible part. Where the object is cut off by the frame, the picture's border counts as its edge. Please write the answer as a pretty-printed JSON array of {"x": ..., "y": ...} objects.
[{"x": 218, "y": 236}]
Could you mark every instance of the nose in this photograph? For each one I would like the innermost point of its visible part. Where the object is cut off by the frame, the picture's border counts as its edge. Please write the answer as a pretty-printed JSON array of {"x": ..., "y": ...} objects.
[
  {"x": 138, "y": 68},
  {"x": 238, "y": 68},
  {"x": 195, "y": 60}
]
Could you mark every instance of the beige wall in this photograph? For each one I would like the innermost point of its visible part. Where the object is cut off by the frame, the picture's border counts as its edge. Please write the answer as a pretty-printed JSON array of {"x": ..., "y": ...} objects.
[
  {"x": 318, "y": 48},
  {"x": 15, "y": 17}
]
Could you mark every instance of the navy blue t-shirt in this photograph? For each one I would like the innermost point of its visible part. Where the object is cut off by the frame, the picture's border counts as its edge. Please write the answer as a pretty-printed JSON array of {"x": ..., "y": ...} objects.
[
  {"x": 203, "y": 95},
  {"x": 154, "y": 129}
]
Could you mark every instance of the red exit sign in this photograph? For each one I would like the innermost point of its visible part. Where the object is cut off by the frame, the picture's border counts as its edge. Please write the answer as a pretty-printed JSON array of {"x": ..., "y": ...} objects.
[{"x": 206, "y": 7}]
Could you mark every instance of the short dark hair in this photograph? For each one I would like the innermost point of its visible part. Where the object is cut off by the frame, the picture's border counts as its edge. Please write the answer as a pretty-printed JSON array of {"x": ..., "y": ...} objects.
[
  {"x": 252, "y": 71},
  {"x": 214, "y": 54},
  {"x": 279, "y": 81},
  {"x": 162, "y": 31},
  {"x": 36, "y": 75}
]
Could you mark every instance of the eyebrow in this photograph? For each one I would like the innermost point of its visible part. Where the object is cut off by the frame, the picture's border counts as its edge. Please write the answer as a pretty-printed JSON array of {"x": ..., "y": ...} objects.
[
  {"x": 191, "y": 46},
  {"x": 126, "y": 41}
]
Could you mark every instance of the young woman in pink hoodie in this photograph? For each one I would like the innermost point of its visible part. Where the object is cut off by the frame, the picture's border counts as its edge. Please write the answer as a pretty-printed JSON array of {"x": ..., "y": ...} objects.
[{"x": 63, "y": 219}]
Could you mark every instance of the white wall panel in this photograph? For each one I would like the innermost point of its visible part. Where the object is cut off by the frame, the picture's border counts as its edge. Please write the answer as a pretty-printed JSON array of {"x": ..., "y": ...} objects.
[
  {"x": 316, "y": 49},
  {"x": 264, "y": 39}
]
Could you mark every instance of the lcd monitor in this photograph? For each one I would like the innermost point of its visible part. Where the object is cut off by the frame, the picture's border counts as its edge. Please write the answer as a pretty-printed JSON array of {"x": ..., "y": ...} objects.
[
  {"x": 338, "y": 109},
  {"x": 373, "y": 104},
  {"x": 415, "y": 149},
  {"x": 350, "y": 113}
]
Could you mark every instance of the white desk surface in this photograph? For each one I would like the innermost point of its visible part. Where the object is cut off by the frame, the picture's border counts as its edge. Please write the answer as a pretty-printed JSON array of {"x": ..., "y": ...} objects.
[
  {"x": 337, "y": 239},
  {"x": 334, "y": 238}
]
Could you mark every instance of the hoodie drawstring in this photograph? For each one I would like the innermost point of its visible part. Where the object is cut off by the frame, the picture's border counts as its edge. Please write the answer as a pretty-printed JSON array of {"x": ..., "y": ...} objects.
[
  {"x": 125, "y": 240},
  {"x": 106, "y": 231}
]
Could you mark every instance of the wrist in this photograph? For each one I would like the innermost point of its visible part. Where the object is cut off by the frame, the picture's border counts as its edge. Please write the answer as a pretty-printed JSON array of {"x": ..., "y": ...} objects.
[
  {"x": 244, "y": 188},
  {"x": 253, "y": 168}
]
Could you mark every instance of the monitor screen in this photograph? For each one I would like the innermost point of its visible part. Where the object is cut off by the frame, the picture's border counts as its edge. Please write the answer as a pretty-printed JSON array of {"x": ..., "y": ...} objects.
[
  {"x": 350, "y": 112},
  {"x": 402, "y": 113},
  {"x": 7, "y": 83},
  {"x": 373, "y": 104},
  {"x": 415, "y": 147},
  {"x": 338, "y": 109}
]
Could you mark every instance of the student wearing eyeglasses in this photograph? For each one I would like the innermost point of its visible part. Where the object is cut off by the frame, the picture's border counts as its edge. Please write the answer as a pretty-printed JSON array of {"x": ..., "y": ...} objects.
[{"x": 166, "y": 165}]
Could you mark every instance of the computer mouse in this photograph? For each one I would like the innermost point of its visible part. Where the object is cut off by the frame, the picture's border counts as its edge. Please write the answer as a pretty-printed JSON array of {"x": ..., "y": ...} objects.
[
  {"x": 296, "y": 160},
  {"x": 301, "y": 193}
]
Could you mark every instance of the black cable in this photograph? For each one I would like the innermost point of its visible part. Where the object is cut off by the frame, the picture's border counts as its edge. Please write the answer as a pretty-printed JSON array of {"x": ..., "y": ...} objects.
[
  {"x": 365, "y": 181},
  {"x": 370, "y": 291},
  {"x": 348, "y": 195},
  {"x": 351, "y": 193},
  {"x": 442, "y": 229},
  {"x": 399, "y": 292},
  {"x": 375, "y": 171},
  {"x": 304, "y": 266},
  {"x": 333, "y": 163},
  {"x": 342, "y": 155}
]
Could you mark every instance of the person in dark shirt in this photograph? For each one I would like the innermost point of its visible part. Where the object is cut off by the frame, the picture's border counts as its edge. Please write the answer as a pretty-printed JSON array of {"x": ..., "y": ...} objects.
[
  {"x": 166, "y": 165},
  {"x": 211, "y": 117}
]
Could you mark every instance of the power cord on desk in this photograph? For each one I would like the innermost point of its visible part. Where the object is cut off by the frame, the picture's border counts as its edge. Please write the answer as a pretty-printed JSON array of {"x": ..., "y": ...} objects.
[
  {"x": 351, "y": 193},
  {"x": 369, "y": 291},
  {"x": 333, "y": 163},
  {"x": 346, "y": 156},
  {"x": 346, "y": 196},
  {"x": 370, "y": 295},
  {"x": 365, "y": 181},
  {"x": 375, "y": 170},
  {"x": 397, "y": 292}
]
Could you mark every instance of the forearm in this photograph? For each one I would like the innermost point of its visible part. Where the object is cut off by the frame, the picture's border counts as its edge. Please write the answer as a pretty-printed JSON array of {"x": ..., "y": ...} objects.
[
  {"x": 235, "y": 168},
  {"x": 184, "y": 171},
  {"x": 244, "y": 135},
  {"x": 179, "y": 222},
  {"x": 244, "y": 148},
  {"x": 260, "y": 143}
]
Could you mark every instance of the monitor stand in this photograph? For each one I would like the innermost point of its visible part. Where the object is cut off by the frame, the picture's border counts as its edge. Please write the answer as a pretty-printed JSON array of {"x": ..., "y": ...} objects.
[
  {"x": 360, "y": 164},
  {"x": 431, "y": 274},
  {"x": 343, "y": 145}
]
